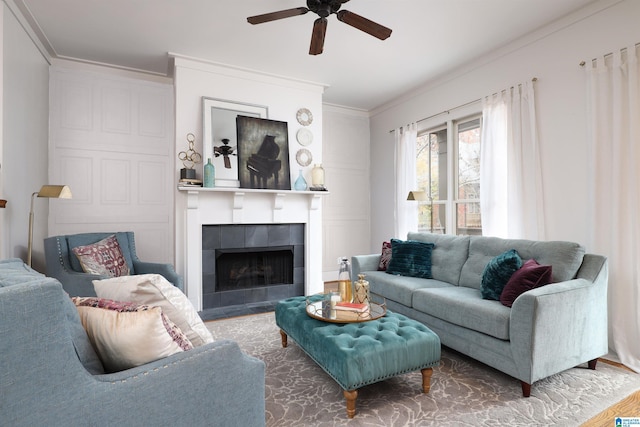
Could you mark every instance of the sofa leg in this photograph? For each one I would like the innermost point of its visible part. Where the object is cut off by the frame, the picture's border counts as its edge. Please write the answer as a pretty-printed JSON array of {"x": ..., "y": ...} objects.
[
  {"x": 592, "y": 364},
  {"x": 526, "y": 389},
  {"x": 283, "y": 337}
]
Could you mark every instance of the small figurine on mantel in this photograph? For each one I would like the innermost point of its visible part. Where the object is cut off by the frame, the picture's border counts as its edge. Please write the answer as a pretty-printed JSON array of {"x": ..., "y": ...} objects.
[{"x": 189, "y": 159}]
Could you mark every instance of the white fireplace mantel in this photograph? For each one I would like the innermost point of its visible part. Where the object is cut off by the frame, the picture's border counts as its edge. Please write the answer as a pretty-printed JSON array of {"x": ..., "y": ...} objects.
[{"x": 224, "y": 205}]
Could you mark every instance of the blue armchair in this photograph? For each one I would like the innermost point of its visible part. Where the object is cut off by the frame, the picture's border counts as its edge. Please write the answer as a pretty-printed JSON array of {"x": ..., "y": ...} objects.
[{"x": 63, "y": 264}]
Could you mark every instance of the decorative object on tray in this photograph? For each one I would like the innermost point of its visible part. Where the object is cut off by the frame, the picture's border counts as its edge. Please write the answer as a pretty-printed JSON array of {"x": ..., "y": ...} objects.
[
  {"x": 304, "y": 117},
  {"x": 344, "y": 280},
  {"x": 304, "y": 157},
  {"x": 352, "y": 306},
  {"x": 361, "y": 290},
  {"x": 189, "y": 159},
  {"x": 301, "y": 183},
  {"x": 219, "y": 135},
  {"x": 304, "y": 136},
  {"x": 317, "y": 178},
  {"x": 263, "y": 153}
]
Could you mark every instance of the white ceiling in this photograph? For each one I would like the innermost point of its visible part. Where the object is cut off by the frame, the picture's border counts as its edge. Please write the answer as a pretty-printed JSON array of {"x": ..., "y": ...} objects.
[{"x": 429, "y": 39}]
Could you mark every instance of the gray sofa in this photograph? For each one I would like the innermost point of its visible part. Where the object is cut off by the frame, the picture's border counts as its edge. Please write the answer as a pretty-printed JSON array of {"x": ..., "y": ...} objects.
[
  {"x": 547, "y": 330},
  {"x": 51, "y": 375}
]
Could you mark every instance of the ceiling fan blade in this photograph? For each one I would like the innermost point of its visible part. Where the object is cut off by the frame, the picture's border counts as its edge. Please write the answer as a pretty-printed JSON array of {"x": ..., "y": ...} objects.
[
  {"x": 317, "y": 37},
  {"x": 363, "y": 24},
  {"x": 273, "y": 16}
]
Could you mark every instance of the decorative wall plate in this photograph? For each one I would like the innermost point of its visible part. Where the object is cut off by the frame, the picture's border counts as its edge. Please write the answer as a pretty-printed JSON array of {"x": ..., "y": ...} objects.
[
  {"x": 304, "y": 136},
  {"x": 304, "y": 117},
  {"x": 304, "y": 157}
]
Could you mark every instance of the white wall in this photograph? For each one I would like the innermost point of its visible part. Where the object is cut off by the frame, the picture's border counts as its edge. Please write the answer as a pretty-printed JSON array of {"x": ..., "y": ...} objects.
[
  {"x": 346, "y": 216},
  {"x": 552, "y": 55},
  {"x": 24, "y": 99},
  {"x": 111, "y": 142},
  {"x": 194, "y": 79}
]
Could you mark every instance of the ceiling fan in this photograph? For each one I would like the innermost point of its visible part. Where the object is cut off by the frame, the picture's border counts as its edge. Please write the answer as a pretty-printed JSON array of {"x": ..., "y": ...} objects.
[{"x": 324, "y": 8}]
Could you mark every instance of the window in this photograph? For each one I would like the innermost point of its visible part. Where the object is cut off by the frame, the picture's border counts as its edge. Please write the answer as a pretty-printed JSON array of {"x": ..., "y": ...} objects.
[{"x": 448, "y": 169}]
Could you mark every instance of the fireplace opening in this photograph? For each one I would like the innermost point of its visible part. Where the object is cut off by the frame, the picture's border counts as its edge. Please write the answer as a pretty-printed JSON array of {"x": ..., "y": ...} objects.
[{"x": 238, "y": 269}]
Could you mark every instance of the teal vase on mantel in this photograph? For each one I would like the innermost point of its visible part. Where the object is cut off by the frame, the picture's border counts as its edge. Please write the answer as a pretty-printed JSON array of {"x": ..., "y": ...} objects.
[
  {"x": 209, "y": 174},
  {"x": 300, "y": 184}
]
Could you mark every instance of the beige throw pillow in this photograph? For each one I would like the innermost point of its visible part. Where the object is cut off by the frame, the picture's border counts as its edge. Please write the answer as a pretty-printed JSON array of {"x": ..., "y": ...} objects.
[
  {"x": 155, "y": 290},
  {"x": 126, "y": 335}
]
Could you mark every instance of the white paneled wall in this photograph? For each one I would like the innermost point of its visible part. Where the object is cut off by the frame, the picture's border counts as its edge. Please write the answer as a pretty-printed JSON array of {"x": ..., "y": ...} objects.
[
  {"x": 111, "y": 141},
  {"x": 346, "y": 216}
]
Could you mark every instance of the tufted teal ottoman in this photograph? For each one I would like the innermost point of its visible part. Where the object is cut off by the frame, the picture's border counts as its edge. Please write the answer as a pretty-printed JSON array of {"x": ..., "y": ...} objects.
[{"x": 358, "y": 354}]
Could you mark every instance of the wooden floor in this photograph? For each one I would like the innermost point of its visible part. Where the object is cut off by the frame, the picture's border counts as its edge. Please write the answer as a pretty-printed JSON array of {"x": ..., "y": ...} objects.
[{"x": 629, "y": 407}]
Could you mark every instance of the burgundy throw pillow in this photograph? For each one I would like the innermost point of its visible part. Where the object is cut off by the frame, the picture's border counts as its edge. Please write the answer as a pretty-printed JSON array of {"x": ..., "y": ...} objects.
[
  {"x": 385, "y": 257},
  {"x": 531, "y": 275}
]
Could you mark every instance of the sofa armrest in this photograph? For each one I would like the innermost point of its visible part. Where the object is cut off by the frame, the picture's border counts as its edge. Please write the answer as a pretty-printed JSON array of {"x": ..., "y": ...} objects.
[
  {"x": 166, "y": 270},
  {"x": 360, "y": 263},
  {"x": 214, "y": 384},
  {"x": 561, "y": 325}
]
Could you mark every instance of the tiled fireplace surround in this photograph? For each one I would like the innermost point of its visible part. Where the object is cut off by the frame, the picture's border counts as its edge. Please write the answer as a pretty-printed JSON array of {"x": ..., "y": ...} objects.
[
  {"x": 252, "y": 208},
  {"x": 242, "y": 238}
]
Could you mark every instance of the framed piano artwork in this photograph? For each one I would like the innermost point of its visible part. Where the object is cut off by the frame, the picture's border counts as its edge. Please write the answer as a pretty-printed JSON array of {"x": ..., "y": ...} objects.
[
  {"x": 220, "y": 142},
  {"x": 263, "y": 153}
]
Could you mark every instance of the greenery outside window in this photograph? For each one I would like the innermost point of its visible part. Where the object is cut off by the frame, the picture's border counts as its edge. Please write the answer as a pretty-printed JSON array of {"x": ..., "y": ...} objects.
[{"x": 448, "y": 169}]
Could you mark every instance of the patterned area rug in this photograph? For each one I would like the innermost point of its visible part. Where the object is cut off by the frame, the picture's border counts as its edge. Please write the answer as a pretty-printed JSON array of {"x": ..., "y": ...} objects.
[{"x": 463, "y": 392}]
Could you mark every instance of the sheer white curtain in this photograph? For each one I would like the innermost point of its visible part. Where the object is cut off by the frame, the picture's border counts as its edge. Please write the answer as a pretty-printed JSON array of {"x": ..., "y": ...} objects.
[
  {"x": 511, "y": 199},
  {"x": 406, "y": 213},
  {"x": 614, "y": 142}
]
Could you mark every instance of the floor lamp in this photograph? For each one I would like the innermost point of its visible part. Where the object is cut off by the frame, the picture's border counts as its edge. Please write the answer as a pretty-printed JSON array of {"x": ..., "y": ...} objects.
[{"x": 51, "y": 192}]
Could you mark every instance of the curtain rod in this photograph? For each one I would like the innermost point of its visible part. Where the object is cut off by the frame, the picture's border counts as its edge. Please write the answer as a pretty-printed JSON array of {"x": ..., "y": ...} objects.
[
  {"x": 583, "y": 63},
  {"x": 535, "y": 79}
]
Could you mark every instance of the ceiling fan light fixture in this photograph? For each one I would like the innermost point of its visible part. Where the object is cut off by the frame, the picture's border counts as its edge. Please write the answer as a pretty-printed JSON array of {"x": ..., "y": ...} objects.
[{"x": 324, "y": 8}]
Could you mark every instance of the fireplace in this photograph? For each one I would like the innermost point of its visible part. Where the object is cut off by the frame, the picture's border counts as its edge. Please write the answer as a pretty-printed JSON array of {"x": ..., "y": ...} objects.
[{"x": 253, "y": 263}]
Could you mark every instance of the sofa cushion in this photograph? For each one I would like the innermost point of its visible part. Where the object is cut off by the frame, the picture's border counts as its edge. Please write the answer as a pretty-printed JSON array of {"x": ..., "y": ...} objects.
[
  {"x": 126, "y": 335},
  {"x": 410, "y": 258},
  {"x": 464, "y": 307},
  {"x": 531, "y": 275},
  {"x": 448, "y": 256},
  {"x": 498, "y": 272},
  {"x": 564, "y": 257},
  {"x": 398, "y": 288},
  {"x": 385, "y": 256},
  {"x": 84, "y": 239},
  {"x": 155, "y": 290}
]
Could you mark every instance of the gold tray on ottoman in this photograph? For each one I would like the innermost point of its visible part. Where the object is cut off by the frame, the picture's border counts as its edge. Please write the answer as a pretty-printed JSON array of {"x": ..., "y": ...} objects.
[{"x": 319, "y": 307}]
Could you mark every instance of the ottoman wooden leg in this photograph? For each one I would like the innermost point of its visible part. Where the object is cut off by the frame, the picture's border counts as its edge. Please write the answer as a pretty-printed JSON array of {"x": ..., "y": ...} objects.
[
  {"x": 351, "y": 396},
  {"x": 283, "y": 335},
  {"x": 426, "y": 379}
]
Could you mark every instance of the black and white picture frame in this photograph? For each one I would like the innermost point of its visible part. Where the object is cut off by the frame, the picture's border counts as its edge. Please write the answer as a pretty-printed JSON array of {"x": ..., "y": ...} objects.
[
  {"x": 263, "y": 153},
  {"x": 220, "y": 143}
]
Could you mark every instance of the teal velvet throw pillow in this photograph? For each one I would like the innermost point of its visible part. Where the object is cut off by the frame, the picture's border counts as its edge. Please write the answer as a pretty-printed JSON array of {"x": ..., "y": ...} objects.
[
  {"x": 410, "y": 258},
  {"x": 498, "y": 272}
]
